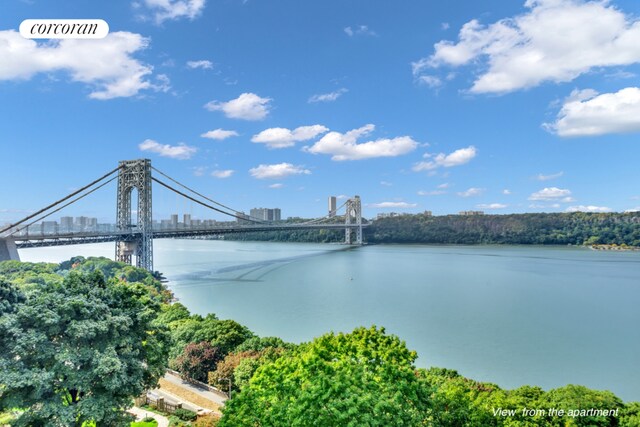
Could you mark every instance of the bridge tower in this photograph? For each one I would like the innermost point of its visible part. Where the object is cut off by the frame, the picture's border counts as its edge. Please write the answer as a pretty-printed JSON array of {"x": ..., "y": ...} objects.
[
  {"x": 135, "y": 174},
  {"x": 353, "y": 216}
]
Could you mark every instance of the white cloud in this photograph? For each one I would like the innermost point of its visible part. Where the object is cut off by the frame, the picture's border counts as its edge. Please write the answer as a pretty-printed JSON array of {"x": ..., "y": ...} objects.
[
  {"x": 491, "y": 206},
  {"x": 444, "y": 185},
  {"x": 431, "y": 193},
  {"x": 506, "y": 192},
  {"x": 163, "y": 84},
  {"x": 471, "y": 192},
  {"x": 219, "y": 134},
  {"x": 283, "y": 137},
  {"x": 277, "y": 171},
  {"x": 174, "y": 9},
  {"x": 327, "y": 97},
  {"x": 386, "y": 184},
  {"x": 222, "y": 173},
  {"x": 204, "y": 64},
  {"x": 636, "y": 209},
  {"x": 180, "y": 151},
  {"x": 276, "y": 185},
  {"x": 620, "y": 74},
  {"x": 590, "y": 114},
  {"x": 552, "y": 194},
  {"x": 553, "y": 41},
  {"x": 396, "y": 205},
  {"x": 589, "y": 208},
  {"x": 360, "y": 30},
  {"x": 247, "y": 106},
  {"x": 541, "y": 177},
  {"x": 457, "y": 158},
  {"x": 345, "y": 147},
  {"x": 107, "y": 64},
  {"x": 431, "y": 81}
]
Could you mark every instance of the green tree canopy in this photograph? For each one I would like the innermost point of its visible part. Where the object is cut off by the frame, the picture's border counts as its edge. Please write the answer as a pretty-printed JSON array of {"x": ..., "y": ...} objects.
[
  {"x": 226, "y": 335},
  {"x": 79, "y": 350},
  {"x": 197, "y": 360},
  {"x": 365, "y": 378}
]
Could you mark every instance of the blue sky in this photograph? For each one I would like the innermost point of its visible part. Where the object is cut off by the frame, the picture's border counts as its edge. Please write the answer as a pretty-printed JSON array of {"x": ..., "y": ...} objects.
[{"x": 501, "y": 106}]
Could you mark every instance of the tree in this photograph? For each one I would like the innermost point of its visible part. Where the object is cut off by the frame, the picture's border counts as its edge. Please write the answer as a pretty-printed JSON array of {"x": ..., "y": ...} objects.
[
  {"x": 225, "y": 369},
  {"x": 631, "y": 415},
  {"x": 576, "y": 397},
  {"x": 224, "y": 334},
  {"x": 362, "y": 378},
  {"x": 78, "y": 351},
  {"x": 197, "y": 360}
]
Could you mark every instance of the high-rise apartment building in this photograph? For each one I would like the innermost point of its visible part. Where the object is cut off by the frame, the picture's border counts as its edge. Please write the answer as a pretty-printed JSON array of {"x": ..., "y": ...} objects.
[
  {"x": 66, "y": 224},
  {"x": 265, "y": 214},
  {"x": 49, "y": 227},
  {"x": 332, "y": 206}
]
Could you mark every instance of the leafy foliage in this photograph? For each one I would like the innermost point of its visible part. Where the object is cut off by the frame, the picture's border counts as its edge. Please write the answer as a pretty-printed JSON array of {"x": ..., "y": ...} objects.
[
  {"x": 185, "y": 414},
  {"x": 225, "y": 369},
  {"x": 197, "y": 360},
  {"x": 362, "y": 378},
  {"x": 226, "y": 335},
  {"x": 534, "y": 228},
  {"x": 76, "y": 350},
  {"x": 576, "y": 228}
]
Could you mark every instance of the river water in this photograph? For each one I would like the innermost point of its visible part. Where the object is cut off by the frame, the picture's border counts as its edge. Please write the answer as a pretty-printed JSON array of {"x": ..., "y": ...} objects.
[{"x": 510, "y": 315}]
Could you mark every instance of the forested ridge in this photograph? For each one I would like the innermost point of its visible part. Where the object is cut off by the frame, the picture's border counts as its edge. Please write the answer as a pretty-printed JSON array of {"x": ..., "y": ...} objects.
[
  {"x": 576, "y": 228},
  {"x": 80, "y": 339}
]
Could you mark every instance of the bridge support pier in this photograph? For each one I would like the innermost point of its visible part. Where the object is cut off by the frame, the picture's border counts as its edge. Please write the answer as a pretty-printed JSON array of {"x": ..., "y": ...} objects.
[
  {"x": 353, "y": 215},
  {"x": 8, "y": 250},
  {"x": 135, "y": 174}
]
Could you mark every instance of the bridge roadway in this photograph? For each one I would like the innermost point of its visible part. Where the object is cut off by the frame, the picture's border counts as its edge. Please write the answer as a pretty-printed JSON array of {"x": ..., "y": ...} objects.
[{"x": 61, "y": 239}]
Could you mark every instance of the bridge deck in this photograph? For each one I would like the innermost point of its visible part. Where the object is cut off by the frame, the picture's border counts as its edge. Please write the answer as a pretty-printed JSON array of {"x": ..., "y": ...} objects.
[{"x": 60, "y": 239}]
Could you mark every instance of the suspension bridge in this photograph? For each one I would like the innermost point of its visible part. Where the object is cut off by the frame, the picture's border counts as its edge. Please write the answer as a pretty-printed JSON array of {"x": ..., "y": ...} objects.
[{"x": 136, "y": 239}]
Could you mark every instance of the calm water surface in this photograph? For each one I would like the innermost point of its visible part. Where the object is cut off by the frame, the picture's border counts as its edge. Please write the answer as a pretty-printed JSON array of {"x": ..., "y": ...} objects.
[{"x": 511, "y": 315}]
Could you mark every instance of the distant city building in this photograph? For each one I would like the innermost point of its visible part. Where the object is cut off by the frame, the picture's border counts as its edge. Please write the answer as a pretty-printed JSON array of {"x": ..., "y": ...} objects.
[
  {"x": 427, "y": 213},
  {"x": 186, "y": 219},
  {"x": 92, "y": 224},
  {"x": 80, "y": 223},
  {"x": 387, "y": 215},
  {"x": 470, "y": 213},
  {"x": 66, "y": 224},
  {"x": 49, "y": 227},
  {"x": 265, "y": 214},
  {"x": 242, "y": 218},
  {"x": 174, "y": 221},
  {"x": 332, "y": 206}
]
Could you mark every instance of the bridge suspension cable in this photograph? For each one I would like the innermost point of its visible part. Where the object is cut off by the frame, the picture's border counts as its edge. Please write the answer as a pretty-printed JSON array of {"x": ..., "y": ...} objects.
[
  {"x": 232, "y": 213},
  {"x": 246, "y": 218},
  {"x": 9, "y": 227},
  {"x": 62, "y": 207},
  {"x": 319, "y": 220}
]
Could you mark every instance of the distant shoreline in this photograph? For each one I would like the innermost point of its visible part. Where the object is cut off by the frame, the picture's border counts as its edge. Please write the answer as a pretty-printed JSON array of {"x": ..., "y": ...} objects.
[{"x": 614, "y": 248}]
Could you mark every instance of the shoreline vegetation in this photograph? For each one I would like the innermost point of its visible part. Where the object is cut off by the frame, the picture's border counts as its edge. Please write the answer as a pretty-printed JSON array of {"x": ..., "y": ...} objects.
[
  {"x": 614, "y": 247},
  {"x": 80, "y": 339},
  {"x": 600, "y": 230}
]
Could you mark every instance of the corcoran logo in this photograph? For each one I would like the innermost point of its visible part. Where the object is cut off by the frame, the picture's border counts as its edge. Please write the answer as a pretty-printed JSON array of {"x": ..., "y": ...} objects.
[{"x": 64, "y": 29}]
